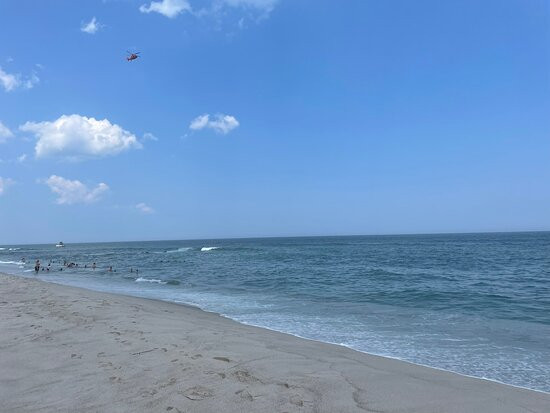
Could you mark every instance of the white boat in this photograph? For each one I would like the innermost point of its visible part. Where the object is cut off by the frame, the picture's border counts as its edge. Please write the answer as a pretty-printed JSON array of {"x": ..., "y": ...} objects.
[{"x": 60, "y": 244}]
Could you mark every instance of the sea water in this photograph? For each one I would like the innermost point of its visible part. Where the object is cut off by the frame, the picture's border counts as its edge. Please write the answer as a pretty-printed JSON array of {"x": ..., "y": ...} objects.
[{"x": 475, "y": 304}]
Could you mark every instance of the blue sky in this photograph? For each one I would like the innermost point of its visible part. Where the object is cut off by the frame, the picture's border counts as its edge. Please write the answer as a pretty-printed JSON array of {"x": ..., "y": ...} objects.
[{"x": 272, "y": 118}]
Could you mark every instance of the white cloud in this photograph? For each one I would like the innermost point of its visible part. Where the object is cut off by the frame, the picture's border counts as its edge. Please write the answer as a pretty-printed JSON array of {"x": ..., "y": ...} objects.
[
  {"x": 11, "y": 82},
  {"x": 5, "y": 133},
  {"x": 168, "y": 8},
  {"x": 148, "y": 136},
  {"x": 91, "y": 27},
  {"x": 78, "y": 137},
  {"x": 145, "y": 209},
  {"x": 199, "y": 122},
  {"x": 21, "y": 158},
  {"x": 30, "y": 81},
  {"x": 213, "y": 8},
  {"x": 74, "y": 192},
  {"x": 219, "y": 123},
  {"x": 4, "y": 183}
]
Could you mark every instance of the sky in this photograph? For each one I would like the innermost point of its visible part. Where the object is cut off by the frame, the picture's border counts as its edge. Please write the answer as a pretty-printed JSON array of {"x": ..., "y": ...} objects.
[{"x": 252, "y": 118}]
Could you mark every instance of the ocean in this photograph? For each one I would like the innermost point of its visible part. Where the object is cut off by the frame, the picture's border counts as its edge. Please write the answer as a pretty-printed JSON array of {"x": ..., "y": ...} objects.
[{"x": 475, "y": 304}]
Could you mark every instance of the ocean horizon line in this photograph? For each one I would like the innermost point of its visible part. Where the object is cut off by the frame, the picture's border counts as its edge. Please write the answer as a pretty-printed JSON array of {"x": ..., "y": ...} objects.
[{"x": 411, "y": 234}]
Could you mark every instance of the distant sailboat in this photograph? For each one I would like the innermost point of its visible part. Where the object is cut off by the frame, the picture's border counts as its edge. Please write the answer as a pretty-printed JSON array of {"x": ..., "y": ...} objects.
[{"x": 60, "y": 244}]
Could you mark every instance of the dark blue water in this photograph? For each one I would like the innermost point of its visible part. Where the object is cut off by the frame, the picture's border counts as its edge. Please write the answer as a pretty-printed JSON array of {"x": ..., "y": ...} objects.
[{"x": 476, "y": 304}]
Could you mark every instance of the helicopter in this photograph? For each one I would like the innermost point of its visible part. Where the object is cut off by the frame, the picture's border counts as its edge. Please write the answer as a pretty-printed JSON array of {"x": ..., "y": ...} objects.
[{"x": 133, "y": 56}]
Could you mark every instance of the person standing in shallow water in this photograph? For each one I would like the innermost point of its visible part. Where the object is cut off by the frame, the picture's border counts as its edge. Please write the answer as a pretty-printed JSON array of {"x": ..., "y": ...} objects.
[{"x": 37, "y": 266}]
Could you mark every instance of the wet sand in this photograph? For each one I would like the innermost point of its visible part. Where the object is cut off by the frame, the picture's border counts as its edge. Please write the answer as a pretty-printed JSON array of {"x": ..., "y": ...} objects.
[{"x": 65, "y": 349}]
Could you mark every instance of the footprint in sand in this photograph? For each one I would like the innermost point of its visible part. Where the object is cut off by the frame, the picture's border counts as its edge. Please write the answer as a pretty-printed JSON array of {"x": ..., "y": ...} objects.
[
  {"x": 148, "y": 393},
  {"x": 245, "y": 394},
  {"x": 198, "y": 393},
  {"x": 171, "y": 382},
  {"x": 245, "y": 377},
  {"x": 297, "y": 400},
  {"x": 222, "y": 359}
]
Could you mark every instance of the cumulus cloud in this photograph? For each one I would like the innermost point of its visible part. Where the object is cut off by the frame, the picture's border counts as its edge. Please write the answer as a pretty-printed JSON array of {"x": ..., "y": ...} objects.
[
  {"x": 73, "y": 192},
  {"x": 168, "y": 8},
  {"x": 199, "y": 122},
  {"x": 78, "y": 137},
  {"x": 5, "y": 133},
  {"x": 91, "y": 27},
  {"x": 11, "y": 82},
  {"x": 4, "y": 183},
  {"x": 219, "y": 123},
  {"x": 144, "y": 209}
]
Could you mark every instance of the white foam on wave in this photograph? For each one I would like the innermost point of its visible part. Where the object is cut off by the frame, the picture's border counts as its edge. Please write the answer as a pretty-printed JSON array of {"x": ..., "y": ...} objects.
[
  {"x": 182, "y": 249},
  {"x": 2, "y": 249},
  {"x": 150, "y": 280},
  {"x": 209, "y": 248},
  {"x": 13, "y": 249},
  {"x": 12, "y": 262}
]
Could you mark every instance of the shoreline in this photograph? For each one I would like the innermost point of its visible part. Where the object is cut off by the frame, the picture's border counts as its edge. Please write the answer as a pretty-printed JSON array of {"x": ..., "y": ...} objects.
[
  {"x": 235, "y": 367},
  {"x": 283, "y": 332},
  {"x": 360, "y": 351}
]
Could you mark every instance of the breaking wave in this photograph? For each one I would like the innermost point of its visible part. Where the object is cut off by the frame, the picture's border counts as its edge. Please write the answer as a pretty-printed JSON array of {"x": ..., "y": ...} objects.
[
  {"x": 12, "y": 262},
  {"x": 150, "y": 280},
  {"x": 183, "y": 249}
]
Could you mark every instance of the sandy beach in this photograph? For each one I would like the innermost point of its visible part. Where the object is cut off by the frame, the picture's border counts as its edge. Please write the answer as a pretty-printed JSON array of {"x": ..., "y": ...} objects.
[{"x": 65, "y": 349}]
